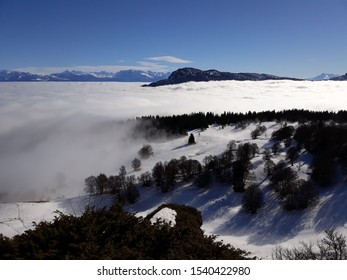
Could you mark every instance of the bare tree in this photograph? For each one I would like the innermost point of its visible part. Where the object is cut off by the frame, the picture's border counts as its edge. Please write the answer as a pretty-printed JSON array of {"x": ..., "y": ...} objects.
[
  {"x": 331, "y": 247},
  {"x": 90, "y": 185}
]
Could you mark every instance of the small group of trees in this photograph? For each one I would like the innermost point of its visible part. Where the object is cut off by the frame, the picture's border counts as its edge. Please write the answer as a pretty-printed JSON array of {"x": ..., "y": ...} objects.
[
  {"x": 327, "y": 142},
  {"x": 294, "y": 193},
  {"x": 165, "y": 175},
  {"x": 260, "y": 129},
  {"x": 121, "y": 185},
  {"x": 232, "y": 167},
  {"x": 284, "y": 133}
]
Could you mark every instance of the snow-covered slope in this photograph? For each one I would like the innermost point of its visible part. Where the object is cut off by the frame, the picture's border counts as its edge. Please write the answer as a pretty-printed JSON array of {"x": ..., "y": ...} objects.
[{"x": 220, "y": 205}]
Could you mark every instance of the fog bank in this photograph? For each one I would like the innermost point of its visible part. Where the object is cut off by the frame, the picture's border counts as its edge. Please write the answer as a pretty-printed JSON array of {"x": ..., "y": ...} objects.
[{"x": 53, "y": 135}]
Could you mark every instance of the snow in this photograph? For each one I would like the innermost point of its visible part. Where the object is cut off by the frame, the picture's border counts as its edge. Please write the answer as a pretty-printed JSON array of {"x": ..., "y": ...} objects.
[
  {"x": 54, "y": 135},
  {"x": 166, "y": 215},
  {"x": 220, "y": 206}
]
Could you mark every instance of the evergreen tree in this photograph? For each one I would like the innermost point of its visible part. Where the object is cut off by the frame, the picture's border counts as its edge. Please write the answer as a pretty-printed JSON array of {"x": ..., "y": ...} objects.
[{"x": 191, "y": 139}]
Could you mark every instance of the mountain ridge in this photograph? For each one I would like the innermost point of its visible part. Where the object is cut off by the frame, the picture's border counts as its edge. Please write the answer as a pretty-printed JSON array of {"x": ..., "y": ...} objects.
[
  {"x": 79, "y": 76},
  {"x": 184, "y": 75},
  {"x": 154, "y": 79},
  {"x": 340, "y": 78},
  {"x": 323, "y": 77}
]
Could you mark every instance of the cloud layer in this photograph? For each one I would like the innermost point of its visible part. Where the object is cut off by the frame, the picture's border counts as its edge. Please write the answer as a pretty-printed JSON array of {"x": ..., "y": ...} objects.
[
  {"x": 156, "y": 64},
  {"x": 170, "y": 59},
  {"x": 54, "y": 135}
]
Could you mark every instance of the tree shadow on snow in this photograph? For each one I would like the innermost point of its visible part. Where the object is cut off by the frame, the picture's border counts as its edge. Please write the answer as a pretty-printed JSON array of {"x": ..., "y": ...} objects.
[
  {"x": 333, "y": 210},
  {"x": 180, "y": 147},
  {"x": 270, "y": 225}
]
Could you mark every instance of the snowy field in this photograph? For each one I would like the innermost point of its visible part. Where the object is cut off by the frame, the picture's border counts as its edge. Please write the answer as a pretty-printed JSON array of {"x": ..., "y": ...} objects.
[{"x": 54, "y": 135}]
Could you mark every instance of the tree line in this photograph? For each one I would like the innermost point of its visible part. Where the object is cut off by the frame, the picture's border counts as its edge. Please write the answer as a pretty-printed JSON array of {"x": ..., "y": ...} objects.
[{"x": 152, "y": 126}]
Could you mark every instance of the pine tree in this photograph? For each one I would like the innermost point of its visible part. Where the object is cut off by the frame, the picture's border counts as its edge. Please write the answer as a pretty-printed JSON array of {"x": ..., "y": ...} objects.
[{"x": 191, "y": 139}]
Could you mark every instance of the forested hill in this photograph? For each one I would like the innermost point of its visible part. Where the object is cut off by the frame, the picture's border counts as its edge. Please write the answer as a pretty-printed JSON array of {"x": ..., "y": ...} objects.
[{"x": 184, "y": 75}]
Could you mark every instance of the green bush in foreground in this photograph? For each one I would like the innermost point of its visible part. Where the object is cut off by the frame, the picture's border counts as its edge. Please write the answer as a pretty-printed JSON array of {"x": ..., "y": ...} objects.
[{"x": 116, "y": 234}]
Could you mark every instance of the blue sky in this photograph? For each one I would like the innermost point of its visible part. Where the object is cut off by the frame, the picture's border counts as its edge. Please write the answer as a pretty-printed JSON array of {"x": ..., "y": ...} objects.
[{"x": 297, "y": 38}]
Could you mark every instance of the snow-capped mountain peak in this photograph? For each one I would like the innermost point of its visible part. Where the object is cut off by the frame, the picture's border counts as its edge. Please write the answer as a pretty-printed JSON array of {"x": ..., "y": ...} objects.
[
  {"x": 323, "y": 77},
  {"x": 80, "y": 76}
]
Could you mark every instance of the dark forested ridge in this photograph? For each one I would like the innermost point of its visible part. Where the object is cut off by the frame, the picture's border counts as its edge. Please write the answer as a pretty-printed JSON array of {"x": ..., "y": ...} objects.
[
  {"x": 180, "y": 124},
  {"x": 188, "y": 74}
]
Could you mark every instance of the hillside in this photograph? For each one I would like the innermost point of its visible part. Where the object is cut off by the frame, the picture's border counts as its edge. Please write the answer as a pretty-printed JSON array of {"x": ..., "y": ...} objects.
[
  {"x": 340, "y": 78},
  {"x": 184, "y": 75},
  {"x": 219, "y": 204}
]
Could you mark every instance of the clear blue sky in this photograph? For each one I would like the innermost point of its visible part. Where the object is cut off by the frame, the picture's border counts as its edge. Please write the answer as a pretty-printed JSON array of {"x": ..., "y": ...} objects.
[{"x": 298, "y": 38}]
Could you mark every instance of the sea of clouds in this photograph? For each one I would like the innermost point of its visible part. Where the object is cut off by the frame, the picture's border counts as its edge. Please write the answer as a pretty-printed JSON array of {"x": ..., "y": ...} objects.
[{"x": 54, "y": 135}]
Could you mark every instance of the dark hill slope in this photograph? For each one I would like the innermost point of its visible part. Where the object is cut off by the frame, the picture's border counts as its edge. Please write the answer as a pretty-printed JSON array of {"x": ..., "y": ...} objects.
[
  {"x": 340, "y": 78},
  {"x": 184, "y": 75}
]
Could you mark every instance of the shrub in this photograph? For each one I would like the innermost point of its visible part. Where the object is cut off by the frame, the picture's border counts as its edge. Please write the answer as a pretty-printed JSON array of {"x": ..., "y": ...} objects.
[
  {"x": 136, "y": 164},
  {"x": 146, "y": 151},
  {"x": 115, "y": 234}
]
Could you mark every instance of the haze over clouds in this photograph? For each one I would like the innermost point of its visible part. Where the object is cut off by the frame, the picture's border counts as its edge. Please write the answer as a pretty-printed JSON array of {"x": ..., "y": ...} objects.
[{"x": 54, "y": 135}]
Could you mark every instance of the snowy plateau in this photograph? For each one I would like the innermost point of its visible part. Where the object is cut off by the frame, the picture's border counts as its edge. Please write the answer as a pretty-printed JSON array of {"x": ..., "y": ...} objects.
[{"x": 54, "y": 135}]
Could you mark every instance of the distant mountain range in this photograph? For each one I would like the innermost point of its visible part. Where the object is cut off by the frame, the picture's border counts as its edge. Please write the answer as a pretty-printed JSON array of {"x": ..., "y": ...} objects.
[
  {"x": 340, "y": 78},
  {"x": 153, "y": 78},
  {"x": 78, "y": 76},
  {"x": 324, "y": 77}
]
